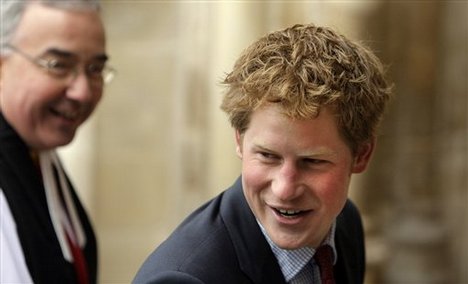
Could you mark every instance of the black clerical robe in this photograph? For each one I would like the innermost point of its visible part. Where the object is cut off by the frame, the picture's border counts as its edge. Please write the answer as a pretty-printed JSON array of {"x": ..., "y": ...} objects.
[{"x": 21, "y": 183}]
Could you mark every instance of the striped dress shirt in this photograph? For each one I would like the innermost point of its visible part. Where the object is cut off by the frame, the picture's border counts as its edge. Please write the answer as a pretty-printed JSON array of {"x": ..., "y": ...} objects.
[{"x": 293, "y": 262}]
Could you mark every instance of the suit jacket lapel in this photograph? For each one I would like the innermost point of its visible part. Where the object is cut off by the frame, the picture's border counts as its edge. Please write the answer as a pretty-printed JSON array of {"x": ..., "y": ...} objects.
[
  {"x": 254, "y": 253},
  {"x": 341, "y": 271},
  {"x": 258, "y": 261},
  {"x": 349, "y": 242}
]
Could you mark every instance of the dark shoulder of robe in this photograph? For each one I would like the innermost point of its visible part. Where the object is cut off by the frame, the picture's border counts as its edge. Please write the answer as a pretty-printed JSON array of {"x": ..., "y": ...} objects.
[{"x": 22, "y": 186}]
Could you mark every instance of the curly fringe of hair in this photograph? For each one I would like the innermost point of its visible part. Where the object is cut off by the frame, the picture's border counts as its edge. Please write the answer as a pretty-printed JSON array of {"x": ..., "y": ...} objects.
[{"x": 304, "y": 68}]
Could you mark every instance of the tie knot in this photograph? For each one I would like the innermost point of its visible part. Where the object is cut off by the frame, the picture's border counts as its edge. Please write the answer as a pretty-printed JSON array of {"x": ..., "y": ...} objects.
[
  {"x": 324, "y": 253},
  {"x": 324, "y": 259}
]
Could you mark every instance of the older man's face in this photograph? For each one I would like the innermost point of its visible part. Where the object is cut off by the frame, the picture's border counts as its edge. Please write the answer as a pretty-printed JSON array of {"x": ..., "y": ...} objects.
[{"x": 46, "y": 109}]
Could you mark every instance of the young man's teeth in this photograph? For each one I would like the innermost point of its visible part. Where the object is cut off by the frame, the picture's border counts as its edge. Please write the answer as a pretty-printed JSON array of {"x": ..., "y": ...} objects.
[{"x": 288, "y": 212}]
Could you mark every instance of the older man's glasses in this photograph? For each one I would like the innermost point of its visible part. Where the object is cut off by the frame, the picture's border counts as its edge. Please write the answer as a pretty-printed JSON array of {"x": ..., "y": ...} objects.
[{"x": 64, "y": 65}]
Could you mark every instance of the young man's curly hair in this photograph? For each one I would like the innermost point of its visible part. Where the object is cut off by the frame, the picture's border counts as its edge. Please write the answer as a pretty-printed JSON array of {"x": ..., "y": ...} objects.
[{"x": 304, "y": 68}]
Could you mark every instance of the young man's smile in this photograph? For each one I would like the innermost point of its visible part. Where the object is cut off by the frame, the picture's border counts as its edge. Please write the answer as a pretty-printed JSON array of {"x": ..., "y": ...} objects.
[{"x": 295, "y": 174}]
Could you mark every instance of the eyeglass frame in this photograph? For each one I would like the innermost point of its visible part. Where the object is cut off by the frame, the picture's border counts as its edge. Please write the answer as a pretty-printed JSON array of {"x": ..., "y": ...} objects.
[{"x": 107, "y": 73}]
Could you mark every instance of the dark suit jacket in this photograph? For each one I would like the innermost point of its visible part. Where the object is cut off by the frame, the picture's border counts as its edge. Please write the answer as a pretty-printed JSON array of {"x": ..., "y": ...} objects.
[
  {"x": 221, "y": 242},
  {"x": 22, "y": 185}
]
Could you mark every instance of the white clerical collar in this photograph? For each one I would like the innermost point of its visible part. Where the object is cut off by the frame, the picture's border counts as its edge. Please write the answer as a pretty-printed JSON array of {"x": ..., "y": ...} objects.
[{"x": 65, "y": 220}]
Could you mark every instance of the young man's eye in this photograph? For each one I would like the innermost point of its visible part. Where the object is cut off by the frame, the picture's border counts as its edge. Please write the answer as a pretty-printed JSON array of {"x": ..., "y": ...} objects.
[
  {"x": 314, "y": 162},
  {"x": 268, "y": 156}
]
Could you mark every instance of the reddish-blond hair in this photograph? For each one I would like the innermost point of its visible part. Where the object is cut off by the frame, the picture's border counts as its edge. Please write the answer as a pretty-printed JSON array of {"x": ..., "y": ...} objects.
[{"x": 304, "y": 68}]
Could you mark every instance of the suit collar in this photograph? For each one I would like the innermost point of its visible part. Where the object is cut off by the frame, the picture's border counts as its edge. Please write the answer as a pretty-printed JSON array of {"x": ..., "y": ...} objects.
[
  {"x": 342, "y": 271},
  {"x": 256, "y": 258},
  {"x": 254, "y": 254},
  {"x": 349, "y": 240}
]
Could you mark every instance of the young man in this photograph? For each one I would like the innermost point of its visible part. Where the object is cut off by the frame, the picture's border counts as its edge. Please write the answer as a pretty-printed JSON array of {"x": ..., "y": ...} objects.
[
  {"x": 305, "y": 103},
  {"x": 53, "y": 68}
]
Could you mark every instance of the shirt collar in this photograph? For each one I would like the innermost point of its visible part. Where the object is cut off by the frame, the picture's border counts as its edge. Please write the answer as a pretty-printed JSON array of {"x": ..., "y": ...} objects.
[{"x": 291, "y": 262}]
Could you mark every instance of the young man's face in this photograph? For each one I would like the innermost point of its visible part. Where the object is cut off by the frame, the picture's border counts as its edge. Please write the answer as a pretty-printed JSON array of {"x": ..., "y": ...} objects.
[
  {"x": 296, "y": 173},
  {"x": 45, "y": 109}
]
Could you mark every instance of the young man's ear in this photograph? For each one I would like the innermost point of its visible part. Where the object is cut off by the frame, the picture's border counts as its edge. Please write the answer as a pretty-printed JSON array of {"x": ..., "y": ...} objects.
[
  {"x": 363, "y": 156},
  {"x": 238, "y": 143}
]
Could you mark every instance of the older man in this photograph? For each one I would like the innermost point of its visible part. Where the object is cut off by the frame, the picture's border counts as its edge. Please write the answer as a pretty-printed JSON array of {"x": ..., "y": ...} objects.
[{"x": 53, "y": 69}]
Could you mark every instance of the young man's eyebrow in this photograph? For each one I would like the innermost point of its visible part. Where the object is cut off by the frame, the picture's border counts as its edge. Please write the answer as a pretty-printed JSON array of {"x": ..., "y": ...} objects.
[
  {"x": 261, "y": 148},
  {"x": 319, "y": 152}
]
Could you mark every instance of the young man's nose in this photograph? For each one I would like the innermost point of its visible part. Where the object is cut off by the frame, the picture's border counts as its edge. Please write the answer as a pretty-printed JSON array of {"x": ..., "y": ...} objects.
[{"x": 286, "y": 184}]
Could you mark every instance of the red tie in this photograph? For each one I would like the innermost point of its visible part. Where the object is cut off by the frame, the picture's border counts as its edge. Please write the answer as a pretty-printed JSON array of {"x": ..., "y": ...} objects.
[
  {"x": 79, "y": 261},
  {"x": 324, "y": 259}
]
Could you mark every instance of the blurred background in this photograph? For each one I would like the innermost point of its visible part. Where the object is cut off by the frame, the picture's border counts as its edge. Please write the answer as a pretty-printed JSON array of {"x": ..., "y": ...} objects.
[{"x": 158, "y": 145}]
